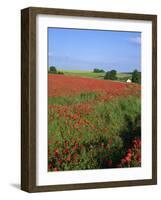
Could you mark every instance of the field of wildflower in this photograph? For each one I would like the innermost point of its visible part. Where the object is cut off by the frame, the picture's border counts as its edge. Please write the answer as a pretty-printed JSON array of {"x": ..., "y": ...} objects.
[{"x": 92, "y": 123}]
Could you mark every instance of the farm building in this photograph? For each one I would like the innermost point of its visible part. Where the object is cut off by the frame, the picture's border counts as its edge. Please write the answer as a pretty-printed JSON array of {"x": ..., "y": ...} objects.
[{"x": 128, "y": 81}]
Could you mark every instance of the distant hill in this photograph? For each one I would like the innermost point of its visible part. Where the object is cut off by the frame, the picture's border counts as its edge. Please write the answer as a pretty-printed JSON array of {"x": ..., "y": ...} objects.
[{"x": 122, "y": 76}]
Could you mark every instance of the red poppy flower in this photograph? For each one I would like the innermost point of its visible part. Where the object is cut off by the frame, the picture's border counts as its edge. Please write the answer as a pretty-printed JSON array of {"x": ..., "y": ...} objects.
[
  {"x": 129, "y": 151},
  {"x": 66, "y": 151},
  {"x": 138, "y": 157},
  {"x": 109, "y": 163},
  {"x": 56, "y": 169},
  {"x": 129, "y": 155},
  {"x": 49, "y": 166},
  {"x": 56, "y": 152},
  {"x": 123, "y": 161},
  {"x": 60, "y": 161},
  {"x": 68, "y": 158},
  {"x": 75, "y": 147},
  {"x": 75, "y": 117},
  {"x": 75, "y": 156},
  {"x": 127, "y": 159}
]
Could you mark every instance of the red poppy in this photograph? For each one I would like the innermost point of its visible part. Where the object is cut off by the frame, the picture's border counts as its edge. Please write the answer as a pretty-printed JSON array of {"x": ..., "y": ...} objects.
[
  {"x": 68, "y": 158},
  {"x": 109, "y": 163},
  {"x": 56, "y": 169},
  {"x": 129, "y": 155},
  {"x": 129, "y": 151},
  {"x": 127, "y": 159},
  {"x": 75, "y": 147},
  {"x": 123, "y": 161},
  {"x": 49, "y": 166},
  {"x": 75, "y": 156},
  {"x": 60, "y": 161},
  {"x": 66, "y": 151},
  {"x": 56, "y": 152},
  {"x": 75, "y": 117},
  {"x": 138, "y": 157}
]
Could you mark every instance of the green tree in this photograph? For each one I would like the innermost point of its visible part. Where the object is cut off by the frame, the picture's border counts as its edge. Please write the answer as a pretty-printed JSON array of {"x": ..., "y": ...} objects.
[
  {"x": 101, "y": 70},
  {"x": 96, "y": 70},
  {"x": 111, "y": 75},
  {"x": 136, "y": 76},
  {"x": 53, "y": 70},
  {"x": 60, "y": 72}
]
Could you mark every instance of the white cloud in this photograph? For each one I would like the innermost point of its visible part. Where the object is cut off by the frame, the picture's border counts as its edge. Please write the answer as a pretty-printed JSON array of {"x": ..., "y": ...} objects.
[{"x": 135, "y": 40}]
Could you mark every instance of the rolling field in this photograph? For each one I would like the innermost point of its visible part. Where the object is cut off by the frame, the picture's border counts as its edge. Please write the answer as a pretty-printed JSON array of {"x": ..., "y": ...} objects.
[
  {"x": 92, "y": 123},
  {"x": 91, "y": 74},
  {"x": 82, "y": 73},
  {"x": 124, "y": 76}
]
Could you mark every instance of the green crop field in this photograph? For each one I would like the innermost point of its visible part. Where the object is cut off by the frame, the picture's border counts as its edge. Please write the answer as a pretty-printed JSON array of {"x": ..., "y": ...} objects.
[
  {"x": 124, "y": 76},
  {"x": 90, "y": 74}
]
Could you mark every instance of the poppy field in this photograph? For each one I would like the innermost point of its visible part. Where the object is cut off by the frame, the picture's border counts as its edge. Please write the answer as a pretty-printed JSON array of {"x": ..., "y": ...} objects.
[{"x": 93, "y": 123}]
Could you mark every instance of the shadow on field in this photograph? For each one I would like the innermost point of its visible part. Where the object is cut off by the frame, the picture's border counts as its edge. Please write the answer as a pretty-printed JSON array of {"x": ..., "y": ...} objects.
[
  {"x": 131, "y": 133},
  {"x": 110, "y": 158}
]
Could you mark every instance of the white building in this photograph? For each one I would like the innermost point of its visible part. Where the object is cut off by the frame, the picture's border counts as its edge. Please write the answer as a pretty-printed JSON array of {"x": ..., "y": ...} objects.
[{"x": 128, "y": 81}]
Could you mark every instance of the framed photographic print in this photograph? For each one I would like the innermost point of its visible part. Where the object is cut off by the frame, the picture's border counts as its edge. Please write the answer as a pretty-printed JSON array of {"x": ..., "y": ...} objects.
[{"x": 88, "y": 99}]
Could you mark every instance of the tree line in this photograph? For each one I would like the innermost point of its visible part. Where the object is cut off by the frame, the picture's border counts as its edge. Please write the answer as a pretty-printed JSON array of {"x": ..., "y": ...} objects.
[
  {"x": 112, "y": 75},
  {"x": 109, "y": 75},
  {"x": 53, "y": 70}
]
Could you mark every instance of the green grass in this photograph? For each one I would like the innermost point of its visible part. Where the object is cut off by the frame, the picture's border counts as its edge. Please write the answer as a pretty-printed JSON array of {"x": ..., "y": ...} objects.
[
  {"x": 124, "y": 76},
  {"x": 118, "y": 113},
  {"x": 90, "y": 74},
  {"x": 121, "y": 75},
  {"x": 82, "y": 73},
  {"x": 114, "y": 114},
  {"x": 108, "y": 121},
  {"x": 69, "y": 100}
]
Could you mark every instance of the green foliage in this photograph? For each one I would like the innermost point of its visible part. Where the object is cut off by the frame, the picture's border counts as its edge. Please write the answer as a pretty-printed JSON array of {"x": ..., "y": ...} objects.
[
  {"x": 136, "y": 76},
  {"x": 123, "y": 77},
  {"x": 53, "y": 70},
  {"x": 117, "y": 114},
  {"x": 105, "y": 137},
  {"x": 90, "y": 74},
  {"x": 81, "y": 73},
  {"x": 111, "y": 75},
  {"x": 59, "y": 72},
  {"x": 96, "y": 70},
  {"x": 69, "y": 100}
]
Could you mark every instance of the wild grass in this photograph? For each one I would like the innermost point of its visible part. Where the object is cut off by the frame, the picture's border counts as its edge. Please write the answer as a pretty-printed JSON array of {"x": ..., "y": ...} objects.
[
  {"x": 89, "y": 74},
  {"x": 123, "y": 77},
  {"x": 92, "y": 133},
  {"x": 69, "y": 100}
]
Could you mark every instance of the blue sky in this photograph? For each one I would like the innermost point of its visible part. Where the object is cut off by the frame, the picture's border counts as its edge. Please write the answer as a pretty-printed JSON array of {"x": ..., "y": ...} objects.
[{"x": 77, "y": 49}]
